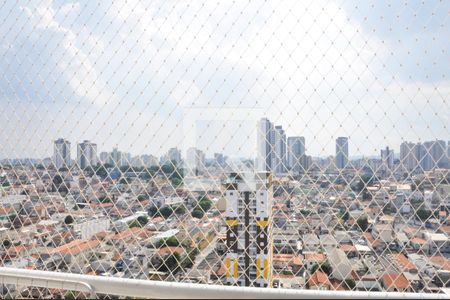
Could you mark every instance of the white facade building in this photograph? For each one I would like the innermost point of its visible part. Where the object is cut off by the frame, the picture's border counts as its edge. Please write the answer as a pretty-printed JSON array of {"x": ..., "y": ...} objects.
[
  {"x": 341, "y": 152},
  {"x": 280, "y": 147},
  {"x": 61, "y": 154},
  {"x": 296, "y": 153},
  {"x": 265, "y": 144},
  {"x": 87, "y": 154},
  {"x": 248, "y": 216}
]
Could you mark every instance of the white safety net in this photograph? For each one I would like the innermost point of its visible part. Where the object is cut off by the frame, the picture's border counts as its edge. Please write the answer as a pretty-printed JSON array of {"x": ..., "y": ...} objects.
[{"x": 278, "y": 144}]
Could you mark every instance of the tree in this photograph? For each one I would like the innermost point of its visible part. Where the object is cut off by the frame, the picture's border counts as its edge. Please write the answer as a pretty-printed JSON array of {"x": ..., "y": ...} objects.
[
  {"x": 166, "y": 211},
  {"x": 363, "y": 223},
  {"x": 180, "y": 210},
  {"x": 197, "y": 213},
  {"x": 423, "y": 214},
  {"x": 68, "y": 220},
  {"x": 366, "y": 195},
  {"x": 152, "y": 211},
  {"x": 143, "y": 220},
  {"x": 350, "y": 283},
  {"x": 345, "y": 216},
  {"x": 305, "y": 212},
  {"x": 361, "y": 186},
  {"x": 389, "y": 209},
  {"x": 6, "y": 184},
  {"x": 124, "y": 169},
  {"x": 170, "y": 263},
  {"x": 167, "y": 168},
  {"x": 134, "y": 223},
  {"x": 104, "y": 199},
  {"x": 324, "y": 267},
  {"x": 176, "y": 182},
  {"x": 142, "y": 197},
  {"x": 57, "y": 182},
  {"x": 188, "y": 260},
  {"x": 171, "y": 242},
  {"x": 205, "y": 204},
  {"x": 101, "y": 170},
  {"x": 6, "y": 243}
]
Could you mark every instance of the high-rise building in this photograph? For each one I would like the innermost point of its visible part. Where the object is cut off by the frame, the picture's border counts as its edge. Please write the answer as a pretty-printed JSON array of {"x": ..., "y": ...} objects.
[
  {"x": 408, "y": 160},
  {"x": 434, "y": 154},
  {"x": 387, "y": 158},
  {"x": 341, "y": 152},
  {"x": 61, "y": 154},
  {"x": 219, "y": 158},
  {"x": 174, "y": 155},
  {"x": 119, "y": 159},
  {"x": 87, "y": 154},
  {"x": 266, "y": 141},
  {"x": 387, "y": 161},
  {"x": 125, "y": 159},
  {"x": 115, "y": 158},
  {"x": 438, "y": 153},
  {"x": 105, "y": 157},
  {"x": 419, "y": 154},
  {"x": 427, "y": 159},
  {"x": 295, "y": 153},
  {"x": 195, "y": 162},
  {"x": 249, "y": 240},
  {"x": 280, "y": 149},
  {"x": 145, "y": 160}
]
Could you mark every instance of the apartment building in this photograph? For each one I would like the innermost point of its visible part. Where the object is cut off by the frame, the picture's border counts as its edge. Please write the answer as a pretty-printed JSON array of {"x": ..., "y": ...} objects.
[{"x": 248, "y": 218}]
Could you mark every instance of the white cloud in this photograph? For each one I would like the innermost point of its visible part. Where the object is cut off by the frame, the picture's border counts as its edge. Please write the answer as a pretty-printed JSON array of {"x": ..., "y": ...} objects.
[{"x": 308, "y": 65}]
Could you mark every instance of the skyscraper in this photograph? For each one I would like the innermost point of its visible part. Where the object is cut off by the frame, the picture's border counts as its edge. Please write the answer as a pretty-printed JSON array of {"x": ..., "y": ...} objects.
[
  {"x": 116, "y": 158},
  {"x": 280, "y": 157},
  {"x": 408, "y": 160},
  {"x": 61, "y": 153},
  {"x": 295, "y": 153},
  {"x": 266, "y": 141},
  {"x": 174, "y": 155},
  {"x": 195, "y": 162},
  {"x": 434, "y": 154},
  {"x": 86, "y": 154},
  {"x": 341, "y": 152},
  {"x": 387, "y": 160},
  {"x": 419, "y": 154},
  {"x": 105, "y": 157},
  {"x": 248, "y": 218},
  {"x": 437, "y": 152}
]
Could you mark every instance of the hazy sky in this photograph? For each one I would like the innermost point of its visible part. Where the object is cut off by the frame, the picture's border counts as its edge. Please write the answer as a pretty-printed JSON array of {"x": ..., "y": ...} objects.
[{"x": 126, "y": 74}]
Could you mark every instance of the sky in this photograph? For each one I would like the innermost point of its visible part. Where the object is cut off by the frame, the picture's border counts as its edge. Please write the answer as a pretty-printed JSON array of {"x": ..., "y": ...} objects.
[{"x": 132, "y": 74}]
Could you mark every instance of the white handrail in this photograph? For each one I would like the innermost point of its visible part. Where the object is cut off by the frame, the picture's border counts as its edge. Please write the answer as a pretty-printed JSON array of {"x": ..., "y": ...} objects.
[{"x": 170, "y": 290}]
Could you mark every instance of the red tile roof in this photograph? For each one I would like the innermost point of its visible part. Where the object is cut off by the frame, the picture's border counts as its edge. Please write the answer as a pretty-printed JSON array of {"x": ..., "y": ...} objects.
[
  {"x": 398, "y": 281},
  {"x": 416, "y": 240},
  {"x": 403, "y": 262},
  {"x": 443, "y": 262},
  {"x": 169, "y": 250},
  {"x": 288, "y": 258},
  {"x": 318, "y": 278},
  {"x": 75, "y": 247},
  {"x": 347, "y": 248},
  {"x": 316, "y": 257},
  {"x": 6, "y": 210}
]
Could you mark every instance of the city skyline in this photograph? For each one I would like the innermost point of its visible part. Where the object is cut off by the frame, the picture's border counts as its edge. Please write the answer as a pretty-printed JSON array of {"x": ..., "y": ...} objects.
[
  {"x": 283, "y": 162},
  {"x": 317, "y": 94}
]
